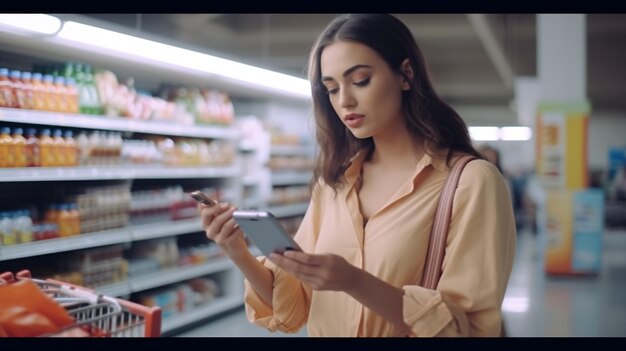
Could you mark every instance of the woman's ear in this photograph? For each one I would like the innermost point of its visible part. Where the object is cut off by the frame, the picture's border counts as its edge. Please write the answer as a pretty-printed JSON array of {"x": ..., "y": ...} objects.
[{"x": 407, "y": 71}]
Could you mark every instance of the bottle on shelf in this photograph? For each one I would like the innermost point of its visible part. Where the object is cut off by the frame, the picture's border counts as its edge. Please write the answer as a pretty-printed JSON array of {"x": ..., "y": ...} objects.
[
  {"x": 95, "y": 107},
  {"x": 19, "y": 148},
  {"x": 58, "y": 148},
  {"x": 70, "y": 149},
  {"x": 72, "y": 95},
  {"x": 7, "y": 235},
  {"x": 64, "y": 220},
  {"x": 39, "y": 92},
  {"x": 29, "y": 93},
  {"x": 82, "y": 142},
  {"x": 61, "y": 95},
  {"x": 7, "y": 99},
  {"x": 46, "y": 149},
  {"x": 50, "y": 94},
  {"x": 32, "y": 148},
  {"x": 18, "y": 88},
  {"x": 24, "y": 225},
  {"x": 52, "y": 214},
  {"x": 83, "y": 91},
  {"x": 6, "y": 144},
  {"x": 74, "y": 216}
]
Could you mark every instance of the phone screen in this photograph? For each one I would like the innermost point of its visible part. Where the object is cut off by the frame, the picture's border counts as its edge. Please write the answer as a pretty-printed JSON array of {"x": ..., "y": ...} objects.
[{"x": 265, "y": 231}]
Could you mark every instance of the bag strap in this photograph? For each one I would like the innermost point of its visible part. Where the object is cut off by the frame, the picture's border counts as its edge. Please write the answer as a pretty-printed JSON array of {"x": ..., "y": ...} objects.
[{"x": 439, "y": 232}]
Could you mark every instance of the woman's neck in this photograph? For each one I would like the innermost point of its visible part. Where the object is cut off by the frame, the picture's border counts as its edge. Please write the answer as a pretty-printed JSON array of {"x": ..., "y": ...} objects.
[{"x": 393, "y": 149}]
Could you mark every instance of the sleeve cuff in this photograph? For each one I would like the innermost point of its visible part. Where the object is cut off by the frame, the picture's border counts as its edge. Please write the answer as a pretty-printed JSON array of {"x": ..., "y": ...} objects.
[
  {"x": 424, "y": 311},
  {"x": 290, "y": 305}
]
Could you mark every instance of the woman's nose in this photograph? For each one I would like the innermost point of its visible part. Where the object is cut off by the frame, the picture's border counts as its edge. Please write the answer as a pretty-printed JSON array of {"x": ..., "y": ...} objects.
[{"x": 346, "y": 99}]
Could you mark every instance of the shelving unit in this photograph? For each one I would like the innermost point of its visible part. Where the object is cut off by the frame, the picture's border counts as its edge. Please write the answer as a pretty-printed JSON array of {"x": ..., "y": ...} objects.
[
  {"x": 147, "y": 74},
  {"x": 116, "y": 172},
  {"x": 98, "y": 239},
  {"x": 290, "y": 178},
  {"x": 119, "y": 124},
  {"x": 128, "y": 235}
]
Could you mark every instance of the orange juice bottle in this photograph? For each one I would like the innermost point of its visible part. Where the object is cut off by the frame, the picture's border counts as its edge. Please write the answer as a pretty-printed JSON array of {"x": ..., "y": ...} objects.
[
  {"x": 74, "y": 218},
  {"x": 52, "y": 214},
  {"x": 6, "y": 142},
  {"x": 32, "y": 149},
  {"x": 39, "y": 92},
  {"x": 64, "y": 221},
  {"x": 18, "y": 88},
  {"x": 19, "y": 148},
  {"x": 29, "y": 93},
  {"x": 46, "y": 149},
  {"x": 71, "y": 149},
  {"x": 58, "y": 150},
  {"x": 50, "y": 94},
  {"x": 61, "y": 95},
  {"x": 72, "y": 95},
  {"x": 7, "y": 99}
]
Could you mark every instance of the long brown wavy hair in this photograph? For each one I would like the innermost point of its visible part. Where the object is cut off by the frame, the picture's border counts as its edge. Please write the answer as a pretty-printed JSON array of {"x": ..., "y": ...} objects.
[{"x": 428, "y": 117}]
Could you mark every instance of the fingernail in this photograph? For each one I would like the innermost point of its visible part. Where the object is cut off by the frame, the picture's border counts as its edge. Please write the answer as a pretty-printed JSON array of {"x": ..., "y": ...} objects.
[{"x": 224, "y": 205}]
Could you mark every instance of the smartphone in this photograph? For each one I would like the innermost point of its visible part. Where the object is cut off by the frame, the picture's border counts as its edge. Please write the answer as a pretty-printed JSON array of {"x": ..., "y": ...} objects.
[
  {"x": 265, "y": 231},
  {"x": 201, "y": 198}
]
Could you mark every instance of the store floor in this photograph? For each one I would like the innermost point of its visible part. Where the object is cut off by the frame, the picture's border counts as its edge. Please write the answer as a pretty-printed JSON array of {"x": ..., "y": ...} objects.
[{"x": 535, "y": 305}]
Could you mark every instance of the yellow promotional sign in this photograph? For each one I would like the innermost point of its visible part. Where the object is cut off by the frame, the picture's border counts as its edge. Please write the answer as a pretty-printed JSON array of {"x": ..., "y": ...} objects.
[{"x": 562, "y": 137}]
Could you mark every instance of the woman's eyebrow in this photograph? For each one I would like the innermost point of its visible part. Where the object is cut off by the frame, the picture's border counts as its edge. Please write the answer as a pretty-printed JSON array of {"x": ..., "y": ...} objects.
[{"x": 346, "y": 72}]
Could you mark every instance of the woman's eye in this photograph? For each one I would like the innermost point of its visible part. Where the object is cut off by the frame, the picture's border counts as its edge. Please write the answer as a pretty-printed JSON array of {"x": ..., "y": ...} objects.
[
  {"x": 362, "y": 83},
  {"x": 332, "y": 91}
]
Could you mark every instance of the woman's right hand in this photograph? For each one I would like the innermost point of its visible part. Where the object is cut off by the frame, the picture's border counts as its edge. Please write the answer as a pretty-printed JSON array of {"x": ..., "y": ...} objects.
[{"x": 220, "y": 226}]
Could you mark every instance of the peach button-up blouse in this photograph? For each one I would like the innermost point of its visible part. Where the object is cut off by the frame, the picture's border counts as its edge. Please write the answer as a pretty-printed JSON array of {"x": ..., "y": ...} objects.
[{"x": 392, "y": 246}]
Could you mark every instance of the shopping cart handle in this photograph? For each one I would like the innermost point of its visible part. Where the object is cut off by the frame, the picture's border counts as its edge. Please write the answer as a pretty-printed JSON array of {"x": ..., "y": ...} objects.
[{"x": 93, "y": 298}]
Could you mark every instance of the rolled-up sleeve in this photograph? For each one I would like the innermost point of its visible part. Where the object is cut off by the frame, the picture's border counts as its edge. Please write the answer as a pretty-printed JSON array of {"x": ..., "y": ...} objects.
[
  {"x": 291, "y": 299},
  {"x": 479, "y": 257}
]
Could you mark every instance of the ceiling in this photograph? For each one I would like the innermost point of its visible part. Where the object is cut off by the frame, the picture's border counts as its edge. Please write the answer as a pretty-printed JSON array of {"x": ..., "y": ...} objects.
[{"x": 473, "y": 58}]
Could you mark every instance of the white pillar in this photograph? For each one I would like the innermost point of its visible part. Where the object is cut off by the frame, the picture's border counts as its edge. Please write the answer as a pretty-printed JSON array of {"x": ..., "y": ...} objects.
[{"x": 562, "y": 56}]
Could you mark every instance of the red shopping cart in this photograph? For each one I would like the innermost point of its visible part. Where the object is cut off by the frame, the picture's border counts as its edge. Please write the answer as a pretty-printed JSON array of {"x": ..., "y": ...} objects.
[{"x": 95, "y": 314}]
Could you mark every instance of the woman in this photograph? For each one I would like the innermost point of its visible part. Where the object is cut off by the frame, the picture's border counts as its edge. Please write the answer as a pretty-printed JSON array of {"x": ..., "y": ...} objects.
[{"x": 387, "y": 141}]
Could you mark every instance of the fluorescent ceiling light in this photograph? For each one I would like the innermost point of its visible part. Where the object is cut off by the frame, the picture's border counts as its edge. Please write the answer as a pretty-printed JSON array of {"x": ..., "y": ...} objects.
[
  {"x": 516, "y": 133},
  {"x": 484, "y": 133},
  {"x": 31, "y": 22},
  {"x": 172, "y": 55}
]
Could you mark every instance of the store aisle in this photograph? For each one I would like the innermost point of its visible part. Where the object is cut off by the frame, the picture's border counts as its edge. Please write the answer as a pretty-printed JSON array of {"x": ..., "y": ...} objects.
[{"x": 535, "y": 305}]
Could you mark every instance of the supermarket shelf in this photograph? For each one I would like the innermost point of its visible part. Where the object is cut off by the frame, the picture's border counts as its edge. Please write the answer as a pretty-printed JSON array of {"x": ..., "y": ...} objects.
[
  {"x": 249, "y": 180},
  {"x": 161, "y": 278},
  {"x": 97, "y": 239},
  {"x": 37, "y": 248},
  {"x": 289, "y": 150},
  {"x": 39, "y": 174},
  {"x": 289, "y": 210},
  {"x": 116, "y": 290},
  {"x": 248, "y": 146},
  {"x": 163, "y": 229},
  {"x": 114, "y": 123},
  {"x": 178, "y": 274},
  {"x": 290, "y": 177},
  {"x": 218, "y": 305}
]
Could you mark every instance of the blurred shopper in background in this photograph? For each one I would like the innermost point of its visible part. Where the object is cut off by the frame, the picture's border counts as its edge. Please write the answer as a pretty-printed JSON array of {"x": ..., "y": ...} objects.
[{"x": 387, "y": 142}]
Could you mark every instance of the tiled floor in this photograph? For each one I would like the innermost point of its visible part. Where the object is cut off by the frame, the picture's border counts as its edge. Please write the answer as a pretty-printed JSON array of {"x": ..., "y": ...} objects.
[{"x": 535, "y": 305}]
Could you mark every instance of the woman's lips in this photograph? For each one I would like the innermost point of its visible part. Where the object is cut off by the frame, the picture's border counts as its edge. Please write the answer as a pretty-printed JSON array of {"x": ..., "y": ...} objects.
[{"x": 354, "y": 120}]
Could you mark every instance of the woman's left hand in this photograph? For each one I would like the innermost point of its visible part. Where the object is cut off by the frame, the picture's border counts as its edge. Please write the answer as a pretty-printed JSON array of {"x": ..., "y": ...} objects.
[{"x": 320, "y": 272}]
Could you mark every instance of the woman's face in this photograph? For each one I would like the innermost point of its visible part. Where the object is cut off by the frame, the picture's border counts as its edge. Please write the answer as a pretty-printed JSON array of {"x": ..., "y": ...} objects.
[{"x": 364, "y": 92}]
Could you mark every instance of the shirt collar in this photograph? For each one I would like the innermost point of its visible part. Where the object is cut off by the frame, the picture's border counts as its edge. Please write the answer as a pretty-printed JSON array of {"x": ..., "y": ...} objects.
[{"x": 353, "y": 171}]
